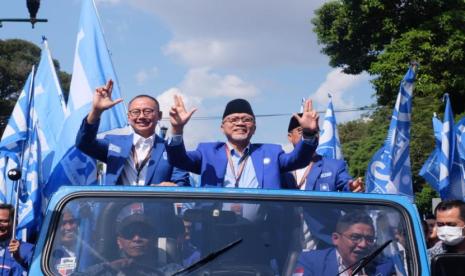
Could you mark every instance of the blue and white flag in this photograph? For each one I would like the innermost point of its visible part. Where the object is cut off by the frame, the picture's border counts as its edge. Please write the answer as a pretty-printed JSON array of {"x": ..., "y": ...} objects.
[
  {"x": 21, "y": 149},
  {"x": 30, "y": 198},
  {"x": 430, "y": 169},
  {"x": 328, "y": 144},
  {"x": 389, "y": 171},
  {"x": 14, "y": 140},
  {"x": 50, "y": 108},
  {"x": 92, "y": 68},
  {"x": 446, "y": 155}
]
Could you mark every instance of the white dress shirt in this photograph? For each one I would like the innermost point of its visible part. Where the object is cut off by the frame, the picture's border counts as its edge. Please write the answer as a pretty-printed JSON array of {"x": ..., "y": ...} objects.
[{"x": 142, "y": 147}]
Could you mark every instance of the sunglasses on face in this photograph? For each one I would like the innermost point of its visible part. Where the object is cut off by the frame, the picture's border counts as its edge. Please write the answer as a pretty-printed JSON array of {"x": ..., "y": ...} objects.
[{"x": 130, "y": 232}]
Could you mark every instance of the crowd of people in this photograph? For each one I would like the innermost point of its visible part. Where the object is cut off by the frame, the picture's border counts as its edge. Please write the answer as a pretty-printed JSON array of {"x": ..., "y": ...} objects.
[{"x": 136, "y": 155}]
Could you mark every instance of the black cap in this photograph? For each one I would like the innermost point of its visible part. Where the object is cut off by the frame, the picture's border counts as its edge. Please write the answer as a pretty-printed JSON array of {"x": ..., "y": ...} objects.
[
  {"x": 134, "y": 221},
  {"x": 238, "y": 106},
  {"x": 293, "y": 123}
]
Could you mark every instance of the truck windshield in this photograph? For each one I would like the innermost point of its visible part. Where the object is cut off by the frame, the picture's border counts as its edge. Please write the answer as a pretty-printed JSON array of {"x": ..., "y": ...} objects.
[{"x": 160, "y": 236}]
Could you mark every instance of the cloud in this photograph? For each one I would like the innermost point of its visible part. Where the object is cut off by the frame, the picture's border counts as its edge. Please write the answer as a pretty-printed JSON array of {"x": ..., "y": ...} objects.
[
  {"x": 238, "y": 34},
  {"x": 143, "y": 75},
  {"x": 202, "y": 82},
  {"x": 338, "y": 85}
]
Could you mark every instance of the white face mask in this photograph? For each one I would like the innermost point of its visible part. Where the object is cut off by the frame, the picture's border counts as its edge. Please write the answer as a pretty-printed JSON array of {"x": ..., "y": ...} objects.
[{"x": 450, "y": 235}]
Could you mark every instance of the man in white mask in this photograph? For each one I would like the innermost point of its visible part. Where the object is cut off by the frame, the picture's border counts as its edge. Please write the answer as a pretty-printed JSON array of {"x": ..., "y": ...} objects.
[{"x": 450, "y": 224}]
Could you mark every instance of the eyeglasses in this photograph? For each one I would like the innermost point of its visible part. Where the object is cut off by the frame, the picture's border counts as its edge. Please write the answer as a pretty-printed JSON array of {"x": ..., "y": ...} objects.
[
  {"x": 137, "y": 112},
  {"x": 130, "y": 232},
  {"x": 357, "y": 238},
  {"x": 236, "y": 120}
]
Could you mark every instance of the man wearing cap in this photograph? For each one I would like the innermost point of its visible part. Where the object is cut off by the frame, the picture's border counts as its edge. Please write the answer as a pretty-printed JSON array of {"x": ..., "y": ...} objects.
[
  {"x": 321, "y": 174},
  {"x": 134, "y": 155},
  {"x": 136, "y": 242},
  {"x": 237, "y": 162}
]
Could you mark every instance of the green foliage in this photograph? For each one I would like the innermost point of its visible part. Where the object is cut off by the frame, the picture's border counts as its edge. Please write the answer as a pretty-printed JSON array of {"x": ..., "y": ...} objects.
[
  {"x": 16, "y": 59},
  {"x": 382, "y": 38},
  {"x": 423, "y": 199}
]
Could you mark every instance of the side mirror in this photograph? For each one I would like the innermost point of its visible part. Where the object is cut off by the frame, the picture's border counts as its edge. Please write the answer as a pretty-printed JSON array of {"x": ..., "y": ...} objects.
[{"x": 450, "y": 264}]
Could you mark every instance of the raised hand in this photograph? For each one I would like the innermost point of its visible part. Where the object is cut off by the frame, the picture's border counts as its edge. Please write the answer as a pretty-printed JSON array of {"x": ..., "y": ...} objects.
[
  {"x": 309, "y": 119},
  {"x": 357, "y": 185},
  {"x": 179, "y": 116},
  {"x": 102, "y": 101}
]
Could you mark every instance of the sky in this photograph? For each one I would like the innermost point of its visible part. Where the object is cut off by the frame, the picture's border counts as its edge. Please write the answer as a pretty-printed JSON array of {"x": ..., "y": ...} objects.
[{"x": 210, "y": 52}]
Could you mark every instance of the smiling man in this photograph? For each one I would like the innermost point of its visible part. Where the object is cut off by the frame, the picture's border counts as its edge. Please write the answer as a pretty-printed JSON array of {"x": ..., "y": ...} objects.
[
  {"x": 15, "y": 256},
  {"x": 353, "y": 239},
  {"x": 238, "y": 163},
  {"x": 134, "y": 155}
]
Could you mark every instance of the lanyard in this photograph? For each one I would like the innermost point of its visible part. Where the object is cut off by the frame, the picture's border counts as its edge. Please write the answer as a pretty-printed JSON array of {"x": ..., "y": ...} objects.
[
  {"x": 140, "y": 166},
  {"x": 244, "y": 158},
  {"x": 304, "y": 177}
]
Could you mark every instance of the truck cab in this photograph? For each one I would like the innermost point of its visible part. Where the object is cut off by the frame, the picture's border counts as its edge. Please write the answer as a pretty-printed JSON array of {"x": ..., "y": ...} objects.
[{"x": 209, "y": 231}]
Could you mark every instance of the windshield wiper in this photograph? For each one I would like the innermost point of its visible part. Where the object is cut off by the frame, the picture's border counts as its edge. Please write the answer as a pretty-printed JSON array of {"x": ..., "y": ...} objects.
[
  {"x": 210, "y": 257},
  {"x": 360, "y": 264}
]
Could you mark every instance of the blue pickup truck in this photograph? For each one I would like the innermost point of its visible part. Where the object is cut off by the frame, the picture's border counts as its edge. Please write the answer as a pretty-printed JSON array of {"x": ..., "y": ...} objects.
[{"x": 184, "y": 231}]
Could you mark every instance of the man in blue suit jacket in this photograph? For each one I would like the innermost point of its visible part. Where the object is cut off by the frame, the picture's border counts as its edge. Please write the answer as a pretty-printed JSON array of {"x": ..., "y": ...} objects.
[
  {"x": 353, "y": 239},
  {"x": 15, "y": 256},
  {"x": 134, "y": 155},
  {"x": 239, "y": 163},
  {"x": 322, "y": 174}
]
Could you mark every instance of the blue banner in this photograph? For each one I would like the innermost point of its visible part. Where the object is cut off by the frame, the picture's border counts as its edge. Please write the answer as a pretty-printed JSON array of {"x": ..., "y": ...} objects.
[
  {"x": 329, "y": 145},
  {"x": 92, "y": 68},
  {"x": 389, "y": 171}
]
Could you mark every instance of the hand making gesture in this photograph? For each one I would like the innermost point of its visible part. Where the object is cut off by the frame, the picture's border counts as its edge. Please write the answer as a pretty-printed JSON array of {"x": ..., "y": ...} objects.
[
  {"x": 179, "y": 116},
  {"x": 102, "y": 101},
  {"x": 309, "y": 119}
]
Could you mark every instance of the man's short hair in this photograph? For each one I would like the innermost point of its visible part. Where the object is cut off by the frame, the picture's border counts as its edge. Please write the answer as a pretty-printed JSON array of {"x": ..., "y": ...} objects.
[
  {"x": 449, "y": 204},
  {"x": 8, "y": 207},
  {"x": 352, "y": 218},
  {"x": 145, "y": 96}
]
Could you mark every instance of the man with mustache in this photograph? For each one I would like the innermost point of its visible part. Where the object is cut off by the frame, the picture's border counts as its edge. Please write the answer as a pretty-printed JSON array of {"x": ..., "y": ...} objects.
[
  {"x": 15, "y": 256},
  {"x": 238, "y": 163},
  {"x": 353, "y": 239},
  {"x": 134, "y": 155}
]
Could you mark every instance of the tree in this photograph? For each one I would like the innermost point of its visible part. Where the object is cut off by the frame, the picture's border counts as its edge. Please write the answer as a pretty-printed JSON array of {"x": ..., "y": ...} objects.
[
  {"x": 381, "y": 38},
  {"x": 16, "y": 59}
]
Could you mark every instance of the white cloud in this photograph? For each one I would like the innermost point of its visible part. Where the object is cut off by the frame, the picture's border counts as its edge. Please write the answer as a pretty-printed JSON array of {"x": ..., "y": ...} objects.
[
  {"x": 338, "y": 84},
  {"x": 145, "y": 74},
  {"x": 202, "y": 82},
  {"x": 238, "y": 34}
]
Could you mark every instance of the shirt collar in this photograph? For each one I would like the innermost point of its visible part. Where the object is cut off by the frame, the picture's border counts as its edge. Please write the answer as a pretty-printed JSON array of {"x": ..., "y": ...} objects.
[
  {"x": 139, "y": 140},
  {"x": 233, "y": 151}
]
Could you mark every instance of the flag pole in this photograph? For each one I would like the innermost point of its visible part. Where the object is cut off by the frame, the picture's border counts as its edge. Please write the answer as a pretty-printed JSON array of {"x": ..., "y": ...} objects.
[{"x": 17, "y": 172}]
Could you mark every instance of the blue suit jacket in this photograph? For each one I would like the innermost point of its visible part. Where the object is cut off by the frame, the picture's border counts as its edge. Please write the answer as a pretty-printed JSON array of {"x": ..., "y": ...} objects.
[
  {"x": 269, "y": 161},
  {"x": 115, "y": 148},
  {"x": 327, "y": 174},
  {"x": 9, "y": 266},
  {"x": 324, "y": 262}
]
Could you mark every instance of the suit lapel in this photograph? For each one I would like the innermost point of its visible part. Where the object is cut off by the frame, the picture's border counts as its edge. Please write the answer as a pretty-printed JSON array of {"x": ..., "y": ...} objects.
[
  {"x": 157, "y": 152},
  {"x": 313, "y": 176},
  {"x": 331, "y": 265},
  {"x": 257, "y": 161},
  {"x": 118, "y": 152},
  {"x": 222, "y": 162}
]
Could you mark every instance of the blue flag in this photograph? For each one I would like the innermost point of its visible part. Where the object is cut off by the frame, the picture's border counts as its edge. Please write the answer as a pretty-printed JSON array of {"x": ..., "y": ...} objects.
[
  {"x": 329, "y": 145},
  {"x": 50, "y": 107},
  {"x": 444, "y": 170},
  {"x": 92, "y": 68},
  {"x": 21, "y": 149},
  {"x": 14, "y": 140},
  {"x": 389, "y": 170},
  {"x": 430, "y": 169},
  {"x": 446, "y": 155}
]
